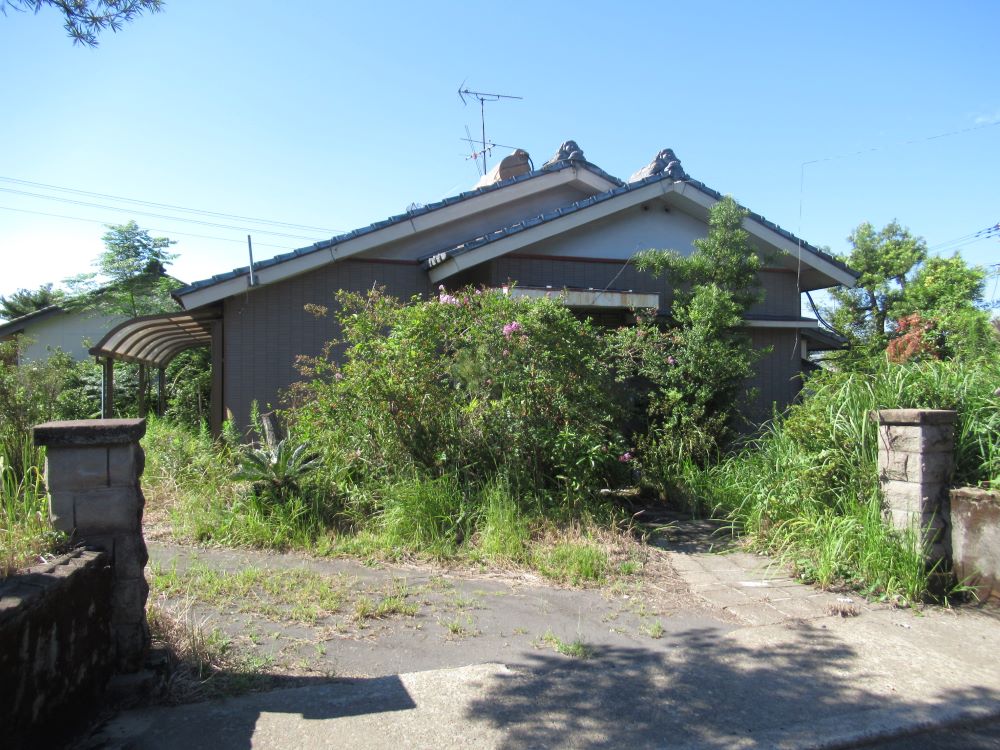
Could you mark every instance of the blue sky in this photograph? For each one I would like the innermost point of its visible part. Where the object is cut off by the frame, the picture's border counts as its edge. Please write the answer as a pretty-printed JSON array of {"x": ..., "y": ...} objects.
[{"x": 335, "y": 115}]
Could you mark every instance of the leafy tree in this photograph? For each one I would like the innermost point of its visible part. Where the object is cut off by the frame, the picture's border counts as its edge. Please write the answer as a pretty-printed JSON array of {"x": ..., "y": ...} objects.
[
  {"x": 883, "y": 258},
  {"x": 131, "y": 274},
  {"x": 25, "y": 301},
  {"x": 695, "y": 362},
  {"x": 725, "y": 259},
  {"x": 85, "y": 19},
  {"x": 935, "y": 304}
]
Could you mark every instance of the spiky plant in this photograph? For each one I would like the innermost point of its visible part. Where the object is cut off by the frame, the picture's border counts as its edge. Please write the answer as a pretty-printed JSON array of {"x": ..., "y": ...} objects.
[{"x": 277, "y": 469}]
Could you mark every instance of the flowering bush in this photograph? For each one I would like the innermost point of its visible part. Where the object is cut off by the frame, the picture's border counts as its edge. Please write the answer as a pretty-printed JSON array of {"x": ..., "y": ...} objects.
[{"x": 473, "y": 384}]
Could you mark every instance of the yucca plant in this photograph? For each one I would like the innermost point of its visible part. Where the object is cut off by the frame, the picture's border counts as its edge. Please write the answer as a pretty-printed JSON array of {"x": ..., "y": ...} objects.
[{"x": 277, "y": 469}]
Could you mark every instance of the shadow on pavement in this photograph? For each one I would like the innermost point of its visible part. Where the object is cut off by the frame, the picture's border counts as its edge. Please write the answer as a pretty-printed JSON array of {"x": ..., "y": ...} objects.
[
  {"x": 229, "y": 724},
  {"x": 712, "y": 694}
]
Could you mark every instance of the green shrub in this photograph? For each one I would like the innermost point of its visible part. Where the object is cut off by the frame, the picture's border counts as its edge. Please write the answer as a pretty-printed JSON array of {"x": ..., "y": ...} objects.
[{"x": 473, "y": 386}]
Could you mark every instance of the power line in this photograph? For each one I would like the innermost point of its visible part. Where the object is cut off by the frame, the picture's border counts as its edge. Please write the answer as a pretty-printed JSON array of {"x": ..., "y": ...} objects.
[
  {"x": 217, "y": 225},
  {"x": 903, "y": 143},
  {"x": 155, "y": 229},
  {"x": 169, "y": 206}
]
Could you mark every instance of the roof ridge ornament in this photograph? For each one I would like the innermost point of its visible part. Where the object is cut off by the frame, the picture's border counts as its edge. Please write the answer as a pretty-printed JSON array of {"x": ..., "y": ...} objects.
[
  {"x": 665, "y": 163},
  {"x": 569, "y": 151}
]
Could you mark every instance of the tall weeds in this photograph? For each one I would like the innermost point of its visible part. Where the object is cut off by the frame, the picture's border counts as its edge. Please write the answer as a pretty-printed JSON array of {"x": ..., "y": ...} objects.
[{"x": 807, "y": 489}]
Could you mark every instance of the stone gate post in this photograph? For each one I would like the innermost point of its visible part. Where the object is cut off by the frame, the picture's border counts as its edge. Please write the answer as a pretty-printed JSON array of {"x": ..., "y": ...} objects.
[
  {"x": 915, "y": 461},
  {"x": 92, "y": 469}
]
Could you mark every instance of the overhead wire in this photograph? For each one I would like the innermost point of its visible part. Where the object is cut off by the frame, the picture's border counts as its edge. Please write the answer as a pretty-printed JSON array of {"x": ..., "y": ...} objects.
[
  {"x": 106, "y": 207},
  {"x": 154, "y": 229},
  {"x": 169, "y": 206}
]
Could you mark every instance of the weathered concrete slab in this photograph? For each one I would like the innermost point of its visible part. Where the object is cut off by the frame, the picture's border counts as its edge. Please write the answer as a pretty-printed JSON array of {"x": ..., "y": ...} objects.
[{"x": 820, "y": 684}]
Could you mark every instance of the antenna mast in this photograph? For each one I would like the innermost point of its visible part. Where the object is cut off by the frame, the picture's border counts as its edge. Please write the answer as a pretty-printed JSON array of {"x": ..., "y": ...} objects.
[{"x": 482, "y": 97}]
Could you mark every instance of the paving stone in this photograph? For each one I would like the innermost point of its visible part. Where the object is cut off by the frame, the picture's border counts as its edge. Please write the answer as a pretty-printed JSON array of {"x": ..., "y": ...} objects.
[{"x": 757, "y": 614}]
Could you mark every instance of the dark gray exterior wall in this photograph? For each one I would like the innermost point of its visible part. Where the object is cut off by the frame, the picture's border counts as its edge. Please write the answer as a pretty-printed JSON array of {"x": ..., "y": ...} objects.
[
  {"x": 268, "y": 328},
  {"x": 778, "y": 377}
]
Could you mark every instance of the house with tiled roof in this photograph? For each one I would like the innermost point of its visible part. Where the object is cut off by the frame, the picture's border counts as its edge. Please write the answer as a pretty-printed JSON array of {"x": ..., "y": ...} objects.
[{"x": 566, "y": 227}]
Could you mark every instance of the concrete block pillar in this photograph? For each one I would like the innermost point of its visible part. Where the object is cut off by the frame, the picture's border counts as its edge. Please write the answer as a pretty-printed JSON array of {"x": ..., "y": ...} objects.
[
  {"x": 915, "y": 462},
  {"x": 92, "y": 470}
]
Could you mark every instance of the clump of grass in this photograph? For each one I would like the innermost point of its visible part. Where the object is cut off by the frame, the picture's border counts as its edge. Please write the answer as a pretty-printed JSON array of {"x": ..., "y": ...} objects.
[
  {"x": 424, "y": 514},
  {"x": 573, "y": 562},
  {"x": 295, "y": 595},
  {"x": 576, "y": 648},
  {"x": 206, "y": 662},
  {"x": 654, "y": 630},
  {"x": 392, "y": 602},
  {"x": 26, "y": 535},
  {"x": 503, "y": 527}
]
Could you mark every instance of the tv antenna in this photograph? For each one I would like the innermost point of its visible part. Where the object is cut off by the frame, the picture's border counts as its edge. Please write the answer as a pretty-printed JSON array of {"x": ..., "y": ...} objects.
[{"x": 482, "y": 97}]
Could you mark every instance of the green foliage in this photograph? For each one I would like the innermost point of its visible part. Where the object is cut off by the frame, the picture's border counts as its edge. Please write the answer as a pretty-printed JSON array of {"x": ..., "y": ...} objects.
[
  {"x": 807, "y": 489},
  {"x": 30, "y": 393},
  {"x": 474, "y": 386},
  {"x": 693, "y": 366},
  {"x": 25, "y": 531},
  {"x": 573, "y": 562},
  {"x": 84, "y": 20},
  {"x": 189, "y": 387},
  {"x": 25, "y": 301},
  {"x": 276, "y": 470},
  {"x": 899, "y": 281},
  {"x": 724, "y": 259},
  {"x": 130, "y": 278},
  {"x": 884, "y": 258},
  {"x": 503, "y": 527},
  {"x": 424, "y": 515}
]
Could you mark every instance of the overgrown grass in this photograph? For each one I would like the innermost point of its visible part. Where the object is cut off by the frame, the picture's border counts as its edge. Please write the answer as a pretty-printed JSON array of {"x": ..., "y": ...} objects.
[
  {"x": 295, "y": 595},
  {"x": 808, "y": 488},
  {"x": 190, "y": 479},
  {"x": 26, "y": 534}
]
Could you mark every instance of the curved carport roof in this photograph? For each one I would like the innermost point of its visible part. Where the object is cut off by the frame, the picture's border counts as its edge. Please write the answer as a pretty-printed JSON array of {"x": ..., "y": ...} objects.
[{"x": 154, "y": 340}]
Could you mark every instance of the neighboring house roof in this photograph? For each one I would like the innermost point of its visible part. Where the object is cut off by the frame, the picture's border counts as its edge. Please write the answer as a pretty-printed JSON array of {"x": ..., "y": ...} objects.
[
  {"x": 610, "y": 190},
  {"x": 16, "y": 325}
]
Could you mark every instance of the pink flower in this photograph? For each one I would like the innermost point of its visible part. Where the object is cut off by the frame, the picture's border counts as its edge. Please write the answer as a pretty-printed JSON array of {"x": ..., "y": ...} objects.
[
  {"x": 671, "y": 361},
  {"x": 625, "y": 457},
  {"x": 511, "y": 328},
  {"x": 338, "y": 376}
]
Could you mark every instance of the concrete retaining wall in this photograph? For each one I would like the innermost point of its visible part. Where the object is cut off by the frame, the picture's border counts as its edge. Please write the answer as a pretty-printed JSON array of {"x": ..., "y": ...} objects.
[
  {"x": 975, "y": 540},
  {"x": 92, "y": 468},
  {"x": 56, "y": 651}
]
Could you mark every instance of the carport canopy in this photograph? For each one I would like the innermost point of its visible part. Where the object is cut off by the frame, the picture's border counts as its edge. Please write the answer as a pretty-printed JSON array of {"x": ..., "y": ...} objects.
[
  {"x": 151, "y": 341},
  {"x": 154, "y": 340}
]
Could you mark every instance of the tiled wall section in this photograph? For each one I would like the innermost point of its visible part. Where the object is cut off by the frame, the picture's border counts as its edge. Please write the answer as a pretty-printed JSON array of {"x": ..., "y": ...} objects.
[{"x": 266, "y": 329}]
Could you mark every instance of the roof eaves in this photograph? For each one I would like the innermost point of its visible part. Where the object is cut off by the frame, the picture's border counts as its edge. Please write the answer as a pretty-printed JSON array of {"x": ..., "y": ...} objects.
[
  {"x": 21, "y": 320},
  {"x": 393, "y": 220},
  {"x": 622, "y": 188}
]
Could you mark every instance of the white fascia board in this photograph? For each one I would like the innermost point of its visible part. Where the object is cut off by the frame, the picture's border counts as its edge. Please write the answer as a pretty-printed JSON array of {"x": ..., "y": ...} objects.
[
  {"x": 774, "y": 239},
  {"x": 371, "y": 240},
  {"x": 550, "y": 228},
  {"x": 590, "y": 298},
  {"x": 781, "y": 323},
  {"x": 208, "y": 295},
  {"x": 593, "y": 181}
]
